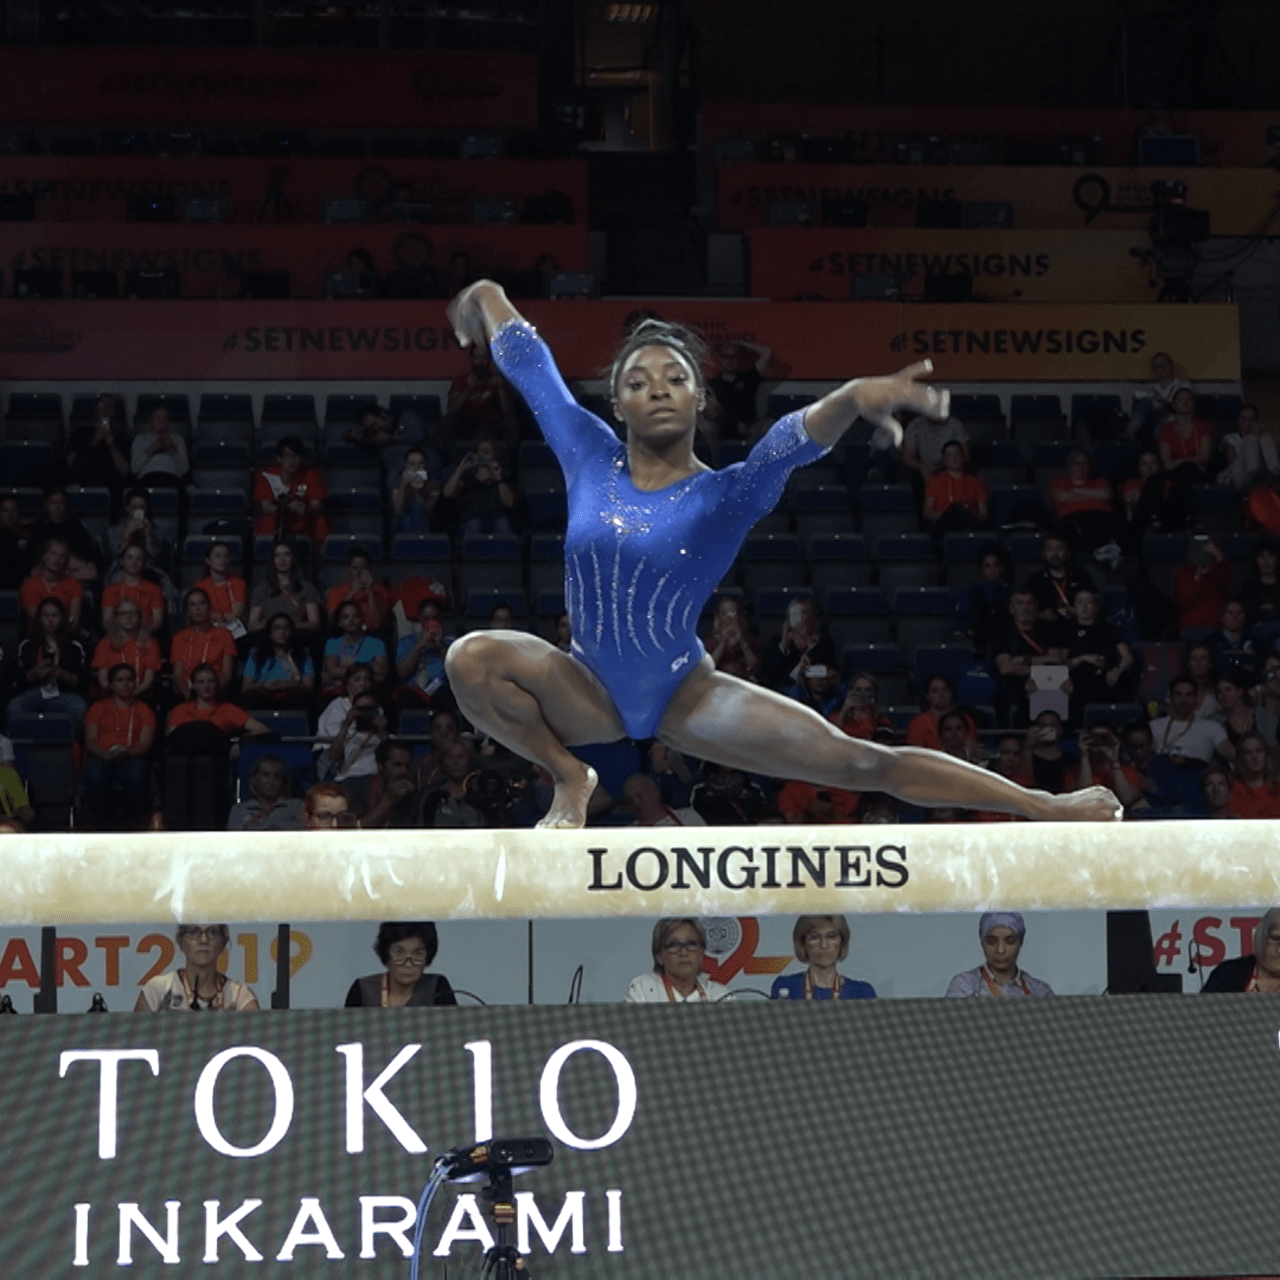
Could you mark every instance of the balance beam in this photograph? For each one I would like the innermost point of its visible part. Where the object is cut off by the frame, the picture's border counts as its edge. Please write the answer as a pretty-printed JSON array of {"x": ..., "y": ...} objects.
[{"x": 165, "y": 877}]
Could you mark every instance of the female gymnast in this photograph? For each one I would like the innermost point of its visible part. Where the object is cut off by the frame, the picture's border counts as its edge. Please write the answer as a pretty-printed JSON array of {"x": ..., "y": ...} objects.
[{"x": 651, "y": 532}]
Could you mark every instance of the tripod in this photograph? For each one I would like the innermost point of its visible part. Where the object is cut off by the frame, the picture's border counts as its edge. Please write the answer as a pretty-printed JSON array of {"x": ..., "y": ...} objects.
[{"x": 502, "y": 1261}]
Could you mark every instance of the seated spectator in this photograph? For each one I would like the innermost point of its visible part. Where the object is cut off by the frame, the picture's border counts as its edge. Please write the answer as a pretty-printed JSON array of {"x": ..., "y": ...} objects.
[
  {"x": 819, "y": 689},
  {"x": 801, "y": 643},
  {"x": 350, "y": 729},
  {"x": 956, "y": 738},
  {"x": 1249, "y": 452},
  {"x": 15, "y": 806},
  {"x": 1231, "y": 646},
  {"x": 351, "y": 644},
  {"x": 1253, "y": 973},
  {"x": 420, "y": 662},
  {"x": 1215, "y": 787},
  {"x": 284, "y": 590},
  {"x": 269, "y": 807},
  {"x": 1202, "y": 585},
  {"x": 1266, "y": 701},
  {"x": 326, "y": 807},
  {"x": 1045, "y": 764},
  {"x": 200, "y": 643},
  {"x": 734, "y": 650},
  {"x": 501, "y": 618},
  {"x": 204, "y": 706},
  {"x": 878, "y": 809},
  {"x": 1082, "y": 504},
  {"x": 1200, "y": 667},
  {"x": 1235, "y": 707},
  {"x": 1184, "y": 444},
  {"x": 1008, "y": 764},
  {"x": 677, "y": 978},
  {"x": 136, "y": 526},
  {"x": 98, "y": 451},
  {"x": 405, "y": 950},
  {"x": 451, "y": 803},
  {"x": 359, "y": 588},
  {"x": 955, "y": 500},
  {"x": 1099, "y": 661},
  {"x": 444, "y": 733},
  {"x": 127, "y": 642},
  {"x": 386, "y": 440},
  {"x": 804, "y": 804},
  {"x": 1002, "y": 934},
  {"x": 641, "y": 796},
  {"x": 393, "y": 799},
  {"x": 1028, "y": 641},
  {"x": 133, "y": 584},
  {"x": 1262, "y": 508},
  {"x": 821, "y": 943},
  {"x": 1164, "y": 785},
  {"x": 859, "y": 715},
  {"x": 56, "y": 521},
  {"x": 1135, "y": 516},
  {"x": 1186, "y": 739},
  {"x": 484, "y": 497},
  {"x": 480, "y": 401},
  {"x": 414, "y": 591},
  {"x": 289, "y": 497},
  {"x": 159, "y": 456},
  {"x": 50, "y": 578},
  {"x": 922, "y": 445},
  {"x": 228, "y": 594},
  {"x": 1056, "y": 586},
  {"x": 414, "y": 496},
  {"x": 1100, "y": 765},
  {"x": 727, "y": 797},
  {"x": 51, "y": 667},
  {"x": 1153, "y": 405},
  {"x": 733, "y": 401},
  {"x": 1261, "y": 597},
  {"x": 16, "y": 545},
  {"x": 118, "y": 733},
  {"x": 985, "y": 606},
  {"x": 939, "y": 698},
  {"x": 197, "y": 985},
  {"x": 278, "y": 673},
  {"x": 1255, "y": 793}
]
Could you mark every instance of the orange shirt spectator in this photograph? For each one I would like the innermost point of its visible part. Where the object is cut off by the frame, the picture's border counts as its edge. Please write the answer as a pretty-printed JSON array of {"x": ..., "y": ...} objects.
[
  {"x": 947, "y": 490},
  {"x": 37, "y": 587},
  {"x": 414, "y": 590},
  {"x": 192, "y": 647},
  {"x": 1184, "y": 448},
  {"x": 923, "y": 730},
  {"x": 372, "y": 618},
  {"x": 224, "y": 715},
  {"x": 1261, "y": 801},
  {"x": 141, "y": 657},
  {"x": 224, "y": 596},
  {"x": 1072, "y": 497},
  {"x": 118, "y": 727},
  {"x": 149, "y": 597},
  {"x": 1201, "y": 593},
  {"x": 803, "y": 802},
  {"x": 291, "y": 494},
  {"x": 1262, "y": 510}
]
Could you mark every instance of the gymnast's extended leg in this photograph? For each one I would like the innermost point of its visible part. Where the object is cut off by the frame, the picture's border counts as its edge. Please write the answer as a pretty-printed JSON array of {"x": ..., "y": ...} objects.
[
  {"x": 720, "y": 718},
  {"x": 535, "y": 699}
]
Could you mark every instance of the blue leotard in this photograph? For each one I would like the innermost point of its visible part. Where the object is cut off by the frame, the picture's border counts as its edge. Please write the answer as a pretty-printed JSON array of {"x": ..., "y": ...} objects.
[{"x": 639, "y": 566}]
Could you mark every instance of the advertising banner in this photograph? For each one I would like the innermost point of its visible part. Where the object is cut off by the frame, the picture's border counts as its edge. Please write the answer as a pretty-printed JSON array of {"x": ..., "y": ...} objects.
[
  {"x": 109, "y": 188},
  {"x": 304, "y": 88},
  {"x": 210, "y": 260},
  {"x": 678, "y": 1140},
  {"x": 1240, "y": 202},
  {"x": 248, "y": 341},
  {"x": 1006, "y": 266},
  {"x": 868, "y": 134}
]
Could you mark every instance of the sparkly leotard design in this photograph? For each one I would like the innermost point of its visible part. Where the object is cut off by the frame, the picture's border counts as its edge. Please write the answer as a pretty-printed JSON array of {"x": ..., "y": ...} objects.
[{"x": 639, "y": 566}]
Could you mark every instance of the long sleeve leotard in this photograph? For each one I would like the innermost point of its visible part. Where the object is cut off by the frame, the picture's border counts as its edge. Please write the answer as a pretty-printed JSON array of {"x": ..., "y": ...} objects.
[{"x": 639, "y": 566}]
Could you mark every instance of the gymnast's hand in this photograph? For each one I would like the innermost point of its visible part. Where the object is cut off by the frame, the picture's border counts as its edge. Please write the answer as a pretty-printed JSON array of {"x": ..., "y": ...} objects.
[
  {"x": 478, "y": 310},
  {"x": 876, "y": 400}
]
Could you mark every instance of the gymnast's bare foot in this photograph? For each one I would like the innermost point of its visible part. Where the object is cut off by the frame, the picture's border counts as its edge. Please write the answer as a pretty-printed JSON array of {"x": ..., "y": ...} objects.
[
  {"x": 569, "y": 804},
  {"x": 1093, "y": 804}
]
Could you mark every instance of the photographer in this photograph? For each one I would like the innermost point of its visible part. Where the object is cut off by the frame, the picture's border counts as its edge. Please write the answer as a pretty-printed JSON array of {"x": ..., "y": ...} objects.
[
  {"x": 484, "y": 497},
  {"x": 288, "y": 497},
  {"x": 801, "y": 644},
  {"x": 733, "y": 650},
  {"x": 414, "y": 496},
  {"x": 454, "y": 803},
  {"x": 351, "y": 728},
  {"x": 136, "y": 526},
  {"x": 159, "y": 457},
  {"x": 98, "y": 452},
  {"x": 1100, "y": 763},
  {"x": 420, "y": 662},
  {"x": 859, "y": 714},
  {"x": 393, "y": 797}
]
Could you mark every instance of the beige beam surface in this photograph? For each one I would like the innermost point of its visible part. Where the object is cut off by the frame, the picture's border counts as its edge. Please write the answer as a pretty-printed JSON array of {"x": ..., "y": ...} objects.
[{"x": 461, "y": 874}]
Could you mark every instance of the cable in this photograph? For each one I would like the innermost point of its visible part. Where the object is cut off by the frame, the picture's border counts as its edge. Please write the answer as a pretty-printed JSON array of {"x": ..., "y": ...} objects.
[
  {"x": 575, "y": 986},
  {"x": 424, "y": 1207}
]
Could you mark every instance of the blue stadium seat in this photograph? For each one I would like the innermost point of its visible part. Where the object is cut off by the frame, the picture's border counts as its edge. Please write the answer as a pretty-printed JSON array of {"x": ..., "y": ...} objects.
[
  {"x": 480, "y": 603},
  {"x": 879, "y": 659},
  {"x": 178, "y": 404},
  {"x": 732, "y": 451},
  {"x": 1098, "y": 416},
  {"x": 1216, "y": 508},
  {"x": 546, "y": 564},
  {"x": 950, "y": 660},
  {"x": 427, "y": 407},
  {"x": 298, "y": 409},
  {"x": 1162, "y": 553},
  {"x": 906, "y": 560},
  {"x": 1040, "y": 407},
  {"x": 772, "y": 560},
  {"x": 838, "y": 560},
  {"x": 549, "y": 604},
  {"x": 1025, "y": 555},
  {"x": 965, "y": 407},
  {"x": 962, "y": 558},
  {"x": 1219, "y": 409},
  {"x": 925, "y": 615},
  {"x": 415, "y": 722},
  {"x": 221, "y": 453},
  {"x": 822, "y": 511},
  {"x": 999, "y": 464},
  {"x": 338, "y": 547},
  {"x": 91, "y": 505},
  {"x": 1018, "y": 503},
  {"x": 26, "y": 462},
  {"x": 41, "y": 727},
  {"x": 1116, "y": 460},
  {"x": 211, "y": 504},
  {"x": 30, "y": 499},
  {"x": 285, "y": 724},
  {"x": 547, "y": 510},
  {"x": 857, "y": 615},
  {"x": 10, "y": 621},
  {"x": 781, "y": 402},
  {"x": 1118, "y": 714},
  {"x": 346, "y": 409},
  {"x": 358, "y": 511},
  {"x": 887, "y": 508}
]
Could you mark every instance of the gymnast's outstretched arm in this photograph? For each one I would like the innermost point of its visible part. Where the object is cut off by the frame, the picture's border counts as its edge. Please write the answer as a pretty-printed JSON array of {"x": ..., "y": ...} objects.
[{"x": 876, "y": 399}]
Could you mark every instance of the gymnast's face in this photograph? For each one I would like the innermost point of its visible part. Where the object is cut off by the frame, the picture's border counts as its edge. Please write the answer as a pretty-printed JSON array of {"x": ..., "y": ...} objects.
[{"x": 658, "y": 395}]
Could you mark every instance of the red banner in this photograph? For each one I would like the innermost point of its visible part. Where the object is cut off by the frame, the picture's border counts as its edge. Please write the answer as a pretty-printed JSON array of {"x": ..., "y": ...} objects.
[
  {"x": 100, "y": 188},
  {"x": 210, "y": 259},
  {"x": 1240, "y": 202},
  {"x": 290, "y": 341},
  {"x": 299, "y": 88},
  {"x": 870, "y": 133}
]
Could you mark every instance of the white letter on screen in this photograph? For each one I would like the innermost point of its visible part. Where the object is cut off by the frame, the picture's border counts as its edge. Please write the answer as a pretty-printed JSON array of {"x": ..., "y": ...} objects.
[
  {"x": 207, "y": 1122},
  {"x": 82, "y": 1235},
  {"x": 357, "y": 1094},
  {"x": 570, "y": 1214},
  {"x": 481, "y": 1052},
  {"x": 549, "y": 1091},
  {"x": 309, "y": 1210},
  {"x": 613, "y": 1198},
  {"x": 454, "y": 1230},
  {"x": 166, "y": 1245},
  {"x": 397, "y": 1230},
  {"x": 214, "y": 1230},
  {"x": 110, "y": 1059}
]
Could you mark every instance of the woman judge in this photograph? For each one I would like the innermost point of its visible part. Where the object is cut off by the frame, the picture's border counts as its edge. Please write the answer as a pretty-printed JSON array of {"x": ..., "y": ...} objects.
[
  {"x": 405, "y": 949},
  {"x": 651, "y": 532},
  {"x": 821, "y": 942}
]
